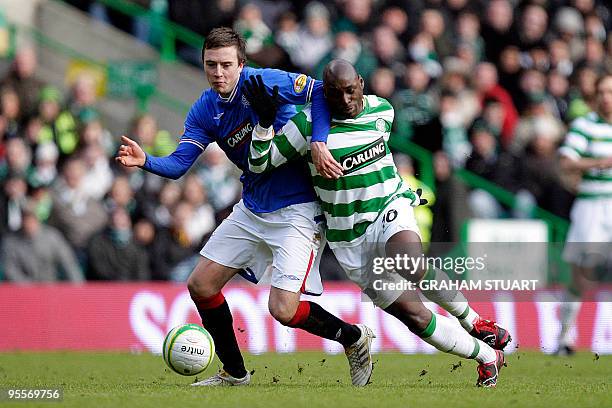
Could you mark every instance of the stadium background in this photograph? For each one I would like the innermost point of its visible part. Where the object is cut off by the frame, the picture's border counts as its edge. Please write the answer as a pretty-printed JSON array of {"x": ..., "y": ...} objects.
[{"x": 483, "y": 93}]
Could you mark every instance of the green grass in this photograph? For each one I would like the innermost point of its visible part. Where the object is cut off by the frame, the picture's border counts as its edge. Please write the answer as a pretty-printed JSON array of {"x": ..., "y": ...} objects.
[{"x": 313, "y": 380}]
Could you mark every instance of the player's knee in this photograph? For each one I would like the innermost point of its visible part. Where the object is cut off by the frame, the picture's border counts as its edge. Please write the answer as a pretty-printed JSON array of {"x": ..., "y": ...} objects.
[
  {"x": 414, "y": 315},
  {"x": 407, "y": 244},
  {"x": 283, "y": 312},
  {"x": 198, "y": 284}
]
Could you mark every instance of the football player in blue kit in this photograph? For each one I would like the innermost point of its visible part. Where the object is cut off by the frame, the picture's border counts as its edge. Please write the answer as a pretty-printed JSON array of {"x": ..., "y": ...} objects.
[{"x": 277, "y": 221}]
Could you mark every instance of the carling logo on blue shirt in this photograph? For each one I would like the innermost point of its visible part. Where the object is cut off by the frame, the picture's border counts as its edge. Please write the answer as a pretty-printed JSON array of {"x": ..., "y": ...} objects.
[{"x": 240, "y": 135}]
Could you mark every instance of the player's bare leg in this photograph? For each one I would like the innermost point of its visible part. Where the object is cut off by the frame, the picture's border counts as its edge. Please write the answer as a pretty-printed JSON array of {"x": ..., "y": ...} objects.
[
  {"x": 570, "y": 306},
  {"x": 205, "y": 284},
  {"x": 435, "y": 329},
  {"x": 286, "y": 307},
  {"x": 455, "y": 303}
]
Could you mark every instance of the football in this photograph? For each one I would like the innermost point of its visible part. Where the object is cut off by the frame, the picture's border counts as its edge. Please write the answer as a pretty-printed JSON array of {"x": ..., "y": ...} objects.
[{"x": 188, "y": 349}]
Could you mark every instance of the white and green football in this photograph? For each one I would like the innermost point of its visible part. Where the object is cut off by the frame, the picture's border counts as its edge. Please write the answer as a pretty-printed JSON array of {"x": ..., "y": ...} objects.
[{"x": 188, "y": 349}]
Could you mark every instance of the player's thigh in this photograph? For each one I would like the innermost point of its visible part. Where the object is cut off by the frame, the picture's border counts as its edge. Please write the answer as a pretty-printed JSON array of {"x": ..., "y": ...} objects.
[
  {"x": 295, "y": 241},
  {"x": 235, "y": 241},
  {"x": 208, "y": 278},
  {"x": 587, "y": 239},
  {"x": 364, "y": 266},
  {"x": 398, "y": 235},
  {"x": 283, "y": 304},
  {"x": 410, "y": 310}
]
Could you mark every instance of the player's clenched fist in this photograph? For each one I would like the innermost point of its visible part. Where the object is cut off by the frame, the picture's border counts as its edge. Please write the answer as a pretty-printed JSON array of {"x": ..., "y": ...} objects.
[{"x": 130, "y": 153}]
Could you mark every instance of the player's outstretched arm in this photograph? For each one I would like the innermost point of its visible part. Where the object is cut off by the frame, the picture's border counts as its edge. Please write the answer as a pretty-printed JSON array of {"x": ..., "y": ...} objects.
[
  {"x": 173, "y": 166},
  {"x": 322, "y": 159}
]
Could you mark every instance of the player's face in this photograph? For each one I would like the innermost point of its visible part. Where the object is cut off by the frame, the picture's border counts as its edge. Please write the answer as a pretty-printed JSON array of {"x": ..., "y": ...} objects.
[
  {"x": 344, "y": 97},
  {"x": 222, "y": 69},
  {"x": 604, "y": 96}
]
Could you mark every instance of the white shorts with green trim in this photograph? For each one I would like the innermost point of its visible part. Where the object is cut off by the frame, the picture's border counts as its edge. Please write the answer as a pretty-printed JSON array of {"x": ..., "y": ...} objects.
[
  {"x": 358, "y": 260},
  {"x": 590, "y": 235},
  {"x": 287, "y": 243}
]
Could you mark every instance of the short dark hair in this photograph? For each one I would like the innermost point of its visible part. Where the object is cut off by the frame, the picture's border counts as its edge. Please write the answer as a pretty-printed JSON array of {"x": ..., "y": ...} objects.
[{"x": 225, "y": 37}]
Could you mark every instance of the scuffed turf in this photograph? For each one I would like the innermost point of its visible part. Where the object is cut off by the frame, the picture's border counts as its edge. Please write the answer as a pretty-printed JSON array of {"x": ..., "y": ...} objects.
[{"x": 313, "y": 380}]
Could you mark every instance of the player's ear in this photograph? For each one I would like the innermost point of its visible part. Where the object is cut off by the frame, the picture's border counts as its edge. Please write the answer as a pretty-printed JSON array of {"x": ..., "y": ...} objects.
[{"x": 361, "y": 82}]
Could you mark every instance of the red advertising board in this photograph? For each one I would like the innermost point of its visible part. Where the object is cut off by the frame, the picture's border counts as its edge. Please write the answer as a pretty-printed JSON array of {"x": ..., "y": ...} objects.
[{"x": 115, "y": 316}]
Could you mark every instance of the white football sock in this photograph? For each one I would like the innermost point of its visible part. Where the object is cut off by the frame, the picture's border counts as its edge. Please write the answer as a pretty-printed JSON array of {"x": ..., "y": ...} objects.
[
  {"x": 453, "y": 301},
  {"x": 568, "y": 311},
  {"x": 446, "y": 336}
]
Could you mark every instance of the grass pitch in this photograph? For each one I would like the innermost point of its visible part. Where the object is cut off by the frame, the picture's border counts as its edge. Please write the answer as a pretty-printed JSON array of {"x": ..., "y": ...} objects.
[{"x": 313, "y": 380}]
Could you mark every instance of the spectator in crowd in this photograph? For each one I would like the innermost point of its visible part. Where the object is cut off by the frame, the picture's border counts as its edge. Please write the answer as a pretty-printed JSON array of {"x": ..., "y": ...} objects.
[
  {"x": 251, "y": 26},
  {"x": 388, "y": 50},
  {"x": 75, "y": 213},
  {"x": 114, "y": 255},
  {"x": 382, "y": 83},
  {"x": 397, "y": 19},
  {"x": 542, "y": 174},
  {"x": 153, "y": 140},
  {"x": 356, "y": 17},
  {"x": 309, "y": 43},
  {"x": 451, "y": 209},
  {"x": 468, "y": 34},
  {"x": 497, "y": 28},
  {"x": 58, "y": 126},
  {"x": 202, "y": 221},
  {"x": 44, "y": 172},
  {"x": 530, "y": 30},
  {"x": 38, "y": 253},
  {"x": 160, "y": 211},
  {"x": 347, "y": 46},
  {"x": 10, "y": 113},
  {"x": 487, "y": 86},
  {"x": 416, "y": 109},
  {"x": 93, "y": 132},
  {"x": 12, "y": 202},
  {"x": 82, "y": 95},
  {"x": 173, "y": 244},
  {"x": 455, "y": 142},
  {"x": 433, "y": 24},
  {"x": 22, "y": 79},
  {"x": 558, "y": 88},
  {"x": 570, "y": 27},
  {"x": 491, "y": 163},
  {"x": 98, "y": 176},
  {"x": 17, "y": 160},
  {"x": 582, "y": 96},
  {"x": 121, "y": 195}
]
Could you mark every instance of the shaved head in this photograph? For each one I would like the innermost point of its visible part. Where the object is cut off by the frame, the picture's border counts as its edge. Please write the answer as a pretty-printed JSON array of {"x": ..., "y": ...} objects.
[
  {"x": 343, "y": 88},
  {"x": 339, "y": 69}
]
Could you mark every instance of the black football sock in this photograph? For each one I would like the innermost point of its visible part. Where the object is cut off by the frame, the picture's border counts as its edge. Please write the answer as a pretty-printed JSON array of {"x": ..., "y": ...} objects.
[
  {"x": 315, "y": 320},
  {"x": 217, "y": 319}
]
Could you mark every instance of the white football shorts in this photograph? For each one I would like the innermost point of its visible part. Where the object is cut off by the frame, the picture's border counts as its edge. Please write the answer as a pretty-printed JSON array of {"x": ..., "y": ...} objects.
[
  {"x": 590, "y": 235},
  {"x": 288, "y": 240},
  {"x": 358, "y": 260}
]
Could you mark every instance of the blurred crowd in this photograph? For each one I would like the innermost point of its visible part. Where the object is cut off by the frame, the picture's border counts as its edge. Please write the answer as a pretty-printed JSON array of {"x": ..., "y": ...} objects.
[
  {"x": 67, "y": 211},
  {"x": 487, "y": 86}
]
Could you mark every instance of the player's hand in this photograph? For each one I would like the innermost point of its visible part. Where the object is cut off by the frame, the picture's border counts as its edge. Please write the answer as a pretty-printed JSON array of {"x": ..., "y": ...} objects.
[
  {"x": 130, "y": 153},
  {"x": 605, "y": 163},
  {"x": 324, "y": 162},
  {"x": 417, "y": 200},
  {"x": 264, "y": 104}
]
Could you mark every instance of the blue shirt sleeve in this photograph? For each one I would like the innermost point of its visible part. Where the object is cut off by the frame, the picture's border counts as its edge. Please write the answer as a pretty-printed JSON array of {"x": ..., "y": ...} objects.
[
  {"x": 176, "y": 164},
  {"x": 192, "y": 144},
  {"x": 299, "y": 89},
  {"x": 320, "y": 114}
]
